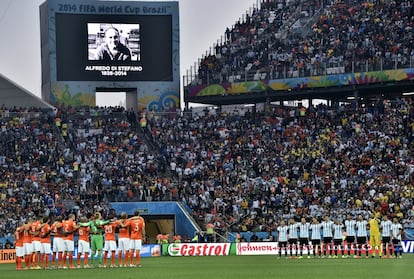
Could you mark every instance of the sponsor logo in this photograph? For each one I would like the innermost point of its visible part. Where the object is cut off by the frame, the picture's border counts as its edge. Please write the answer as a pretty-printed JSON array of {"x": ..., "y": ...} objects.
[
  {"x": 407, "y": 246},
  {"x": 7, "y": 256},
  {"x": 199, "y": 249}
]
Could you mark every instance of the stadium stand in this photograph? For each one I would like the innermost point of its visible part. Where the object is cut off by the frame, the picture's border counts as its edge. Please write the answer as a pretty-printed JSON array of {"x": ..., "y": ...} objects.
[
  {"x": 239, "y": 172},
  {"x": 284, "y": 39}
]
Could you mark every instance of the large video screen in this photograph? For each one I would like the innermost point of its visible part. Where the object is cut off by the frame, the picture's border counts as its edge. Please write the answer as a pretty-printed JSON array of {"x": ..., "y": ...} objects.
[{"x": 113, "y": 47}]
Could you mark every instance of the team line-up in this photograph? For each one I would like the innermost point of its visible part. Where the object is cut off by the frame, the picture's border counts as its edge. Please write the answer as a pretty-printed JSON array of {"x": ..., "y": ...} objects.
[
  {"x": 37, "y": 239},
  {"x": 328, "y": 238}
]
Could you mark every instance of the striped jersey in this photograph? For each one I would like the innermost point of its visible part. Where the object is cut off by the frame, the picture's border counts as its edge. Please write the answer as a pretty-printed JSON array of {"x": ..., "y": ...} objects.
[
  {"x": 337, "y": 231},
  {"x": 315, "y": 231},
  {"x": 327, "y": 228},
  {"x": 350, "y": 227},
  {"x": 395, "y": 229},
  {"x": 386, "y": 228},
  {"x": 293, "y": 231},
  {"x": 282, "y": 233},
  {"x": 304, "y": 230},
  {"x": 361, "y": 228}
]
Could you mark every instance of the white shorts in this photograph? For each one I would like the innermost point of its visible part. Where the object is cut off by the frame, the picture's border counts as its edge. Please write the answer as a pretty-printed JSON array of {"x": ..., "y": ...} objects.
[
  {"x": 19, "y": 251},
  {"x": 123, "y": 244},
  {"x": 110, "y": 245},
  {"x": 28, "y": 248},
  {"x": 135, "y": 244},
  {"x": 83, "y": 246},
  {"x": 46, "y": 248},
  {"x": 58, "y": 245},
  {"x": 37, "y": 246},
  {"x": 69, "y": 245}
]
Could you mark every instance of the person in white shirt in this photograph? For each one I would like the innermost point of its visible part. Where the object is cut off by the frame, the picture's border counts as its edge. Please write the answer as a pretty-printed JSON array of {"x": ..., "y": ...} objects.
[
  {"x": 362, "y": 234},
  {"x": 282, "y": 232},
  {"x": 293, "y": 237},
  {"x": 350, "y": 226},
  {"x": 385, "y": 227},
  {"x": 304, "y": 237},
  {"x": 396, "y": 231},
  {"x": 315, "y": 229},
  {"x": 337, "y": 237},
  {"x": 327, "y": 228}
]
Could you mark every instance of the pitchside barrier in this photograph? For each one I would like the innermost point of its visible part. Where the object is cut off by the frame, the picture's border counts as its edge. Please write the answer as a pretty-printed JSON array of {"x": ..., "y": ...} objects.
[
  {"x": 148, "y": 250},
  {"x": 258, "y": 248},
  {"x": 223, "y": 249}
]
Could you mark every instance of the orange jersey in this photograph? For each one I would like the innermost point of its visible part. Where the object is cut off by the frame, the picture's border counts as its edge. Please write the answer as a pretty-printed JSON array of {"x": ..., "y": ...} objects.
[
  {"x": 68, "y": 229},
  {"x": 56, "y": 229},
  {"x": 124, "y": 231},
  {"x": 35, "y": 230},
  {"x": 18, "y": 237},
  {"x": 110, "y": 231},
  {"x": 83, "y": 233},
  {"x": 27, "y": 238},
  {"x": 137, "y": 226},
  {"x": 44, "y": 234}
]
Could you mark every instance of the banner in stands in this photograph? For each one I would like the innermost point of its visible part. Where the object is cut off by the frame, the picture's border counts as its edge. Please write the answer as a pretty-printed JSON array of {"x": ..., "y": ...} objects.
[
  {"x": 299, "y": 83},
  {"x": 199, "y": 249}
]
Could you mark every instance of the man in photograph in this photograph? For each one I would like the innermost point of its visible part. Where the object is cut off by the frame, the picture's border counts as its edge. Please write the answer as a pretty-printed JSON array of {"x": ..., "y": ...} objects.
[{"x": 112, "y": 49}]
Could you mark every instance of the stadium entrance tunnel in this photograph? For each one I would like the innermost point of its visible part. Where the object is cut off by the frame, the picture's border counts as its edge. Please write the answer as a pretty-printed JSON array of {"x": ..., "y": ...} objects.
[
  {"x": 158, "y": 224},
  {"x": 124, "y": 97}
]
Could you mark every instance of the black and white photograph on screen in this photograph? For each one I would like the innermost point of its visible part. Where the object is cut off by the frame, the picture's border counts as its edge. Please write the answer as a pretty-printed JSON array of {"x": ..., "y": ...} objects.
[{"x": 114, "y": 42}]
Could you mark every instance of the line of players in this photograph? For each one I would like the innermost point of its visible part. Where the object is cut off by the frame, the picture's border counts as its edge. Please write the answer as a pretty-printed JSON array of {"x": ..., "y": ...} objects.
[
  {"x": 34, "y": 246},
  {"x": 329, "y": 238}
]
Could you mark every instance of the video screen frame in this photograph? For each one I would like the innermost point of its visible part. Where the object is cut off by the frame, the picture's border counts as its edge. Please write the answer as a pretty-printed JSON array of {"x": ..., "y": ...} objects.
[{"x": 151, "y": 53}]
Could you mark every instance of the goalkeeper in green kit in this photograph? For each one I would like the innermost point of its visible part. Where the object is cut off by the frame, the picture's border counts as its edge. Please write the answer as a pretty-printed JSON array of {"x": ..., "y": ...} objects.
[{"x": 96, "y": 227}]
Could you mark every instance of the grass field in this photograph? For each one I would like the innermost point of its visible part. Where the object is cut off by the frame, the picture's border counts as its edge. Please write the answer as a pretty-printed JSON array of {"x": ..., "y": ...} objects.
[{"x": 234, "y": 267}]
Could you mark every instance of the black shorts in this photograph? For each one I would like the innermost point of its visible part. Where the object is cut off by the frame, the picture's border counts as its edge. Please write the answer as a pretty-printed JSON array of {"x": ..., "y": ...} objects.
[
  {"x": 327, "y": 240},
  {"x": 337, "y": 242},
  {"x": 396, "y": 241},
  {"x": 282, "y": 244},
  {"x": 316, "y": 241},
  {"x": 293, "y": 241},
  {"x": 361, "y": 240},
  {"x": 303, "y": 241},
  {"x": 386, "y": 239},
  {"x": 350, "y": 239}
]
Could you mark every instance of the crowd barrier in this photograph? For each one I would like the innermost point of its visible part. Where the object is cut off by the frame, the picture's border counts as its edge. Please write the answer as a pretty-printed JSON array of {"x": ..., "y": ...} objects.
[
  {"x": 148, "y": 250},
  {"x": 221, "y": 249}
]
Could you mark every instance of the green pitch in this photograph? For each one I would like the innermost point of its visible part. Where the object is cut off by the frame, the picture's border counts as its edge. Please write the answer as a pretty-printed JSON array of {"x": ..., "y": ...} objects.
[{"x": 238, "y": 267}]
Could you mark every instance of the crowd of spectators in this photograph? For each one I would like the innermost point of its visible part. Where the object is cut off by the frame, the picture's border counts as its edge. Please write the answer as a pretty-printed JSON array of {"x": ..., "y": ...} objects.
[
  {"x": 246, "y": 173},
  {"x": 237, "y": 172},
  {"x": 335, "y": 37},
  {"x": 73, "y": 160}
]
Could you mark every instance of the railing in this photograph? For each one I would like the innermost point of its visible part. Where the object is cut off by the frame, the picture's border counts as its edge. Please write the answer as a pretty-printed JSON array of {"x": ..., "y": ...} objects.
[{"x": 321, "y": 67}]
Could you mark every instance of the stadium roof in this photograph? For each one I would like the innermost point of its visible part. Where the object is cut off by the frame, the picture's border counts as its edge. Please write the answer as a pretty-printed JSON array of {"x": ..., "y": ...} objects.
[{"x": 13, "y": 95}]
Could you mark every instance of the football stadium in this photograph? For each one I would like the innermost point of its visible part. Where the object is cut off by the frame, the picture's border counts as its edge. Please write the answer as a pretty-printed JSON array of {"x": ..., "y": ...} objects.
[{"x": 285, "y": 151}]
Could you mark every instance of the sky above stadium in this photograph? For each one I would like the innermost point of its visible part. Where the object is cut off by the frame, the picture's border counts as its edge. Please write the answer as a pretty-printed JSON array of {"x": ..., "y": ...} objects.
[{"x": 202, "y": 23}]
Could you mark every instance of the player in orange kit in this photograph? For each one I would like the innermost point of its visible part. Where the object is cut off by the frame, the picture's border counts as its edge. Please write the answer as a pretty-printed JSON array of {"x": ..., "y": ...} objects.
[
  {"x": 45, "y": 241},
  {"x": 123, "y": 240},
  {"x": 137, "y": 229},
  {"x": 34, "y": 231},
  {"x": 27, "y": 244},
  {"x": 18, "y": 244},
  {"x": 110, "y": 242},
  {"x": 83, "y": 244},
  {"x": 69, "y": 227},
  {"x": 58, "y": 244}
]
